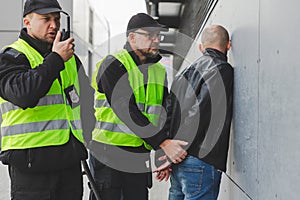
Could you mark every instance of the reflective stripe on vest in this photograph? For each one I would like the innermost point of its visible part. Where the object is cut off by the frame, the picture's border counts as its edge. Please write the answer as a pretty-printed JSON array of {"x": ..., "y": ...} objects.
[
  {"x": 50, "y": 121},
  {"x": 47, "y": 100},
  {"x": 109, "y": 128},
  {"x": 156, "y": 109}
]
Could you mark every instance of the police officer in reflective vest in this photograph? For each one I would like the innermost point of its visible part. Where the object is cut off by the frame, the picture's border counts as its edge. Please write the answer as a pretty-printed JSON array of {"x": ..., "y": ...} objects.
[
  {"x": 130, "y": 97},
  {"x": 42, "y": 137}
]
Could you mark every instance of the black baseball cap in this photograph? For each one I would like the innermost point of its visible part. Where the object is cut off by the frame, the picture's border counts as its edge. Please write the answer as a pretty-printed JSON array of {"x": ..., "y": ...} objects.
[
  {"x": 145, "y": 22},
  {"x": 41, "y": 7}
]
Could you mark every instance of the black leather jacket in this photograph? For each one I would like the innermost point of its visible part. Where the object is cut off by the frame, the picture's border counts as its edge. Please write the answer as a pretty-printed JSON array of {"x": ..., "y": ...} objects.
[{"x": 201, "y": 107}]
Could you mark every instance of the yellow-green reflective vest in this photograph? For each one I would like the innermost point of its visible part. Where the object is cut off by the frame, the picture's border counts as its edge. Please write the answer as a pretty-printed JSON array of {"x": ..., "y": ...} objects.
[
  {"x": 109, "y": 128},
  {"x": 50, "y": 121}
]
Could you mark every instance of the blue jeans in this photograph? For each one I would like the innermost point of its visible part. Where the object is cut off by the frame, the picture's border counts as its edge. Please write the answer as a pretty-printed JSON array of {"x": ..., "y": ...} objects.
[{"x": 194, "y": 179}]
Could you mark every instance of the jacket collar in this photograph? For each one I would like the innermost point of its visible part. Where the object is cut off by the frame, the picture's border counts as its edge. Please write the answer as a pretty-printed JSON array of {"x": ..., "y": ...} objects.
[
  {"x": 42, "y": 47},
  {"x": 215, "y": 53}
]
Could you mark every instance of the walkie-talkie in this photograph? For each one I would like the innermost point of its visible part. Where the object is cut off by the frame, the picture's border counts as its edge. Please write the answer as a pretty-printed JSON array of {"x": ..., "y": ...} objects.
[{"x": 65, "y": 34}]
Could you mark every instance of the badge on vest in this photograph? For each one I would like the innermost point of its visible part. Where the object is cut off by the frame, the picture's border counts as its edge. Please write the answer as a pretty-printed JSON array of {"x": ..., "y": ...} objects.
[{"x": 72, "y": 96}]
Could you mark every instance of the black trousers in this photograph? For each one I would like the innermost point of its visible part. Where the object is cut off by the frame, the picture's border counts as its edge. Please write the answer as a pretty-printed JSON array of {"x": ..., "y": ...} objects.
[
  {"x": 117, "y": 185},
  {"x": 65, "y": 184}
]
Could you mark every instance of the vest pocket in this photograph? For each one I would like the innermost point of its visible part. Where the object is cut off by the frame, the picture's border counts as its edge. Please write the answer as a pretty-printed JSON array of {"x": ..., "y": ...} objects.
[
  {"x": 18, "y": 159},
  {"x": 21, "y": 159},
  {"x": 5, "y": 157}
]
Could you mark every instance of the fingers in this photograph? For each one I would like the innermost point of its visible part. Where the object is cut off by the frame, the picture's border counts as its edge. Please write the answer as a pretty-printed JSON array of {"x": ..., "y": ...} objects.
[
  {"x": 64, "y": 48},
  {"x": 160, "y": 176},
  {"x": 167, "y": 176},
  {"x": 164, "y": 166},
  {"x": 57, "y": 37},
  {"x": 174, "y": 150},
  {"x": 163, "y": 174},
  {"x": 162, "y": 158},
  {"x": 177, "y": 156},
  {"x": 70, "y": 40},
  {"x": 180, "y": 158},
  {"x": 179, "y": 153},
  {"x": 71, "y": 45},
  {"x": 182, "y": 143}
]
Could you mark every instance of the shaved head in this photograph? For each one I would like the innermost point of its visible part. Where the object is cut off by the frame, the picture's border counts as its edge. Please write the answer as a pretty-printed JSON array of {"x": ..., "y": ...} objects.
[{"x": 215, "y": 36}]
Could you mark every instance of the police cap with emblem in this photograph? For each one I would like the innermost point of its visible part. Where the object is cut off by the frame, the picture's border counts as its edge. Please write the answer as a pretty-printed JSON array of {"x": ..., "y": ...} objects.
[
  {"x": 41, "y": 7},
  {"x": 145, "y": 22}
]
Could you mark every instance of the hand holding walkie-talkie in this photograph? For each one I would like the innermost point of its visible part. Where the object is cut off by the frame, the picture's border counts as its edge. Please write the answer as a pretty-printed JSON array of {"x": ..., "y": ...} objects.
[
  {"x": 63, "y": 44},
  {"x": 64, "y": 48}
]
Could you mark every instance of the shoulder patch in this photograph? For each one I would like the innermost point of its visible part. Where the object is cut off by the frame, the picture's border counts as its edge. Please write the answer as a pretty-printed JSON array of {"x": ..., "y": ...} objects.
[{"x": 12, "y": 52}]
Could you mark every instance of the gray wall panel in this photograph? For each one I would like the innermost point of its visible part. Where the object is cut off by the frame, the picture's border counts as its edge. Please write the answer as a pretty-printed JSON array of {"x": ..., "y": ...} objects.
[
  {"x": 241, "y": 18},
  {"x": 11, "y": 15},
  {"x": 264, "y": 150},
  {"x": 229, "y": 191},
  {"x": 279, "y": 100},
  {"x": 7, "y": 38}
]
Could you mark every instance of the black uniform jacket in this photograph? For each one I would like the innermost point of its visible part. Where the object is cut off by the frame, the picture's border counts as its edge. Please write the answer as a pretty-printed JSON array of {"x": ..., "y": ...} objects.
[
  {"x": 201, "y": 107},
  {"x": 24, "y": 86}
]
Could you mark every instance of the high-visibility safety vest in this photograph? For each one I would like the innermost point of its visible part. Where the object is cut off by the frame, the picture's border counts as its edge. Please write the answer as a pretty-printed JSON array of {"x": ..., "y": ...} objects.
[
  {"x": 50, "y": 121},
  {"x": 109, "y": 128}
]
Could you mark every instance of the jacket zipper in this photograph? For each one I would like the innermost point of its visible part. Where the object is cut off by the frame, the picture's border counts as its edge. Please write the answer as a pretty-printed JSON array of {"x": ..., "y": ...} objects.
[{"x": 29, "y": 159}]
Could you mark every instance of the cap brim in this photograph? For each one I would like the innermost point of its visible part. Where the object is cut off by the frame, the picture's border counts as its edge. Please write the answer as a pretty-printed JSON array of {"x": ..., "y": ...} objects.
[
  {"x": 47, "y": 10},
  {"x": 156, "y": 28}
]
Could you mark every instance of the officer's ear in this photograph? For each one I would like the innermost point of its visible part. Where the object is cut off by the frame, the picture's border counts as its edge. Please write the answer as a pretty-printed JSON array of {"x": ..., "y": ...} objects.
[
  {"x": 131, "y": 37},
  {"x": 27, "y": 19}
]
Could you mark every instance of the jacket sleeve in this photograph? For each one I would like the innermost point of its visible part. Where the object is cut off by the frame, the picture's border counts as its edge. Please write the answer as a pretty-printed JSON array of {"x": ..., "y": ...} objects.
[
  {"x": 22, "y": 85},
  {"x": 112, "y": 79}
]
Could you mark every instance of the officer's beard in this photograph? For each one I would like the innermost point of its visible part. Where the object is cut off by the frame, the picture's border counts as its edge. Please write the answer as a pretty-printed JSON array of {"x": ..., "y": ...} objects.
[{"x": 148, "y": 53}]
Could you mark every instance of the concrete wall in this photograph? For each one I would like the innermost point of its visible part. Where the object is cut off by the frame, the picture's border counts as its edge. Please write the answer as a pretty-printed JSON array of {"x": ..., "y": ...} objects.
[
  {"x": 264, "y": 152},
  {"x": 10, "y": 21}
]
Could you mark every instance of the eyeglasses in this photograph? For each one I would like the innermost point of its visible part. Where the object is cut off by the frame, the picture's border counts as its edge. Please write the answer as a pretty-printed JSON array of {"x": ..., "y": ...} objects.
[{"x": 152, "y": 36}]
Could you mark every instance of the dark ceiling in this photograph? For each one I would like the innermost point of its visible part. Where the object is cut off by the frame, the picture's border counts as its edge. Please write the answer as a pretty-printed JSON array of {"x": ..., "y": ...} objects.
[
  {"x": 167, "y": 12},
  {"x": 185, "y": 20}
]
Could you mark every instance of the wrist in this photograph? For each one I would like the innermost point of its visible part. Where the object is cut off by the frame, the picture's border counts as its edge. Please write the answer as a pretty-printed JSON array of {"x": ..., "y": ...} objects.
[{"x": 164, "y": 143}]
